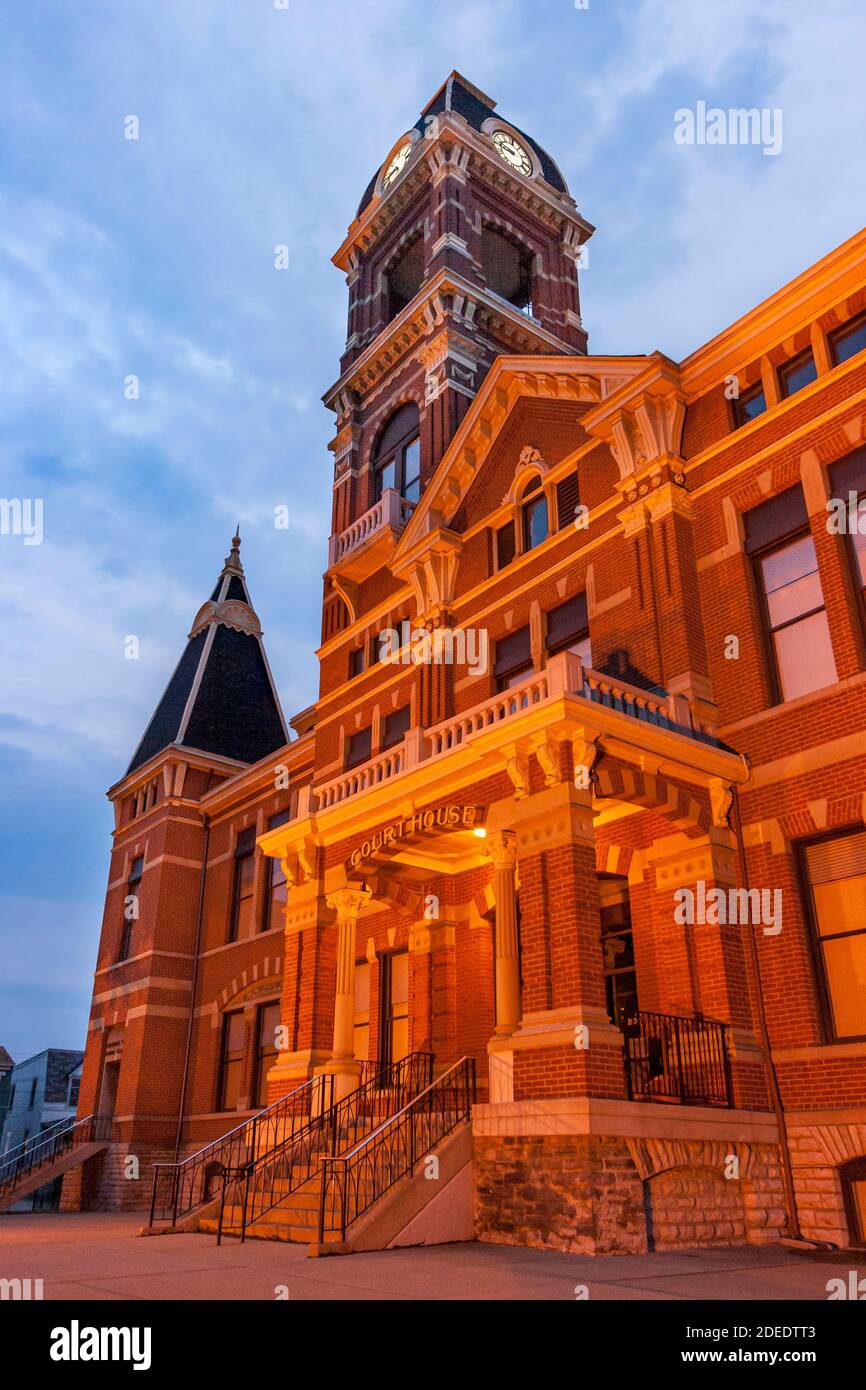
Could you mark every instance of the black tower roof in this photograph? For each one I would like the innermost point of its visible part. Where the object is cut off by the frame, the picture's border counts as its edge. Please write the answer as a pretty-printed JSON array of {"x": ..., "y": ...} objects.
[
  {"x": 221, "y": 697},
  {"x": 458, "y": 94}
]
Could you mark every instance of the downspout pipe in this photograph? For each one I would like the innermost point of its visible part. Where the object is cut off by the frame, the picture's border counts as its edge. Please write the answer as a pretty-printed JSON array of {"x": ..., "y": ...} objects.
[
  {"x": 769, "y": 1065},
  {"x": 193, "y": 987}
]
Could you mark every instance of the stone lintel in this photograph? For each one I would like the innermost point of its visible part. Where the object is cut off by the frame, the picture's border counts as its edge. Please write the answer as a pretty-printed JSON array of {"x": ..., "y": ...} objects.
[{"x": 623, "y": 1119}]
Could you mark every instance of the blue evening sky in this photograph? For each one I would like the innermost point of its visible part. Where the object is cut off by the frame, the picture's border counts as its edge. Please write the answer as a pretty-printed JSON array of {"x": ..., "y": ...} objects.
[{"x": 261, "y": 125}]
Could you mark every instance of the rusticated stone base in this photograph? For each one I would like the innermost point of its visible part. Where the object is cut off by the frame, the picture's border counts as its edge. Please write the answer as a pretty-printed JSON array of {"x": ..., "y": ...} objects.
[
  {"x": 600, "y": 1195},
  {"x": 566, "y": 1192},
  {"x": 102, "y": 1184}
]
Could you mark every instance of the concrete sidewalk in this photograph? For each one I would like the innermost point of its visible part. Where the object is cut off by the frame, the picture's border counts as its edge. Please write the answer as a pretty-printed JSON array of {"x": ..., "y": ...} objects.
[{"x": 90, "y": 1255}]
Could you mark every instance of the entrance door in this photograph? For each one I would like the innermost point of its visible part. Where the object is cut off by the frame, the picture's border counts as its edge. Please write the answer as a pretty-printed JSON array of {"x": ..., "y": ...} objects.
[
  {"x": 395, "y": 1007},
  {"x": 617, "y": 944}
]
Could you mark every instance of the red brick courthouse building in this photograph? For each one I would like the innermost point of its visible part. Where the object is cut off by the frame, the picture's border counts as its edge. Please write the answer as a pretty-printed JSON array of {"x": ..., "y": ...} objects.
[{"x": 570, "y": 852}]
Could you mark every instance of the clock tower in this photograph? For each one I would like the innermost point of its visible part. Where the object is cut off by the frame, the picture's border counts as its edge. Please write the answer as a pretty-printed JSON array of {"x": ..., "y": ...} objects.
[{"x": 465, "y": 247}]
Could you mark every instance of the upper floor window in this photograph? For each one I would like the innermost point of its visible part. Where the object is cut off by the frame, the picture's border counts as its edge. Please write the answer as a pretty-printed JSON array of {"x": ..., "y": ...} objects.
[
  {"x": 33, "y": 1088},
  {"x": 836, "y": 881},
  {"x": 357, "y": 662},
  {"x": 797, "y": 373},
  {"x": 130, "y": 907},
  {"x": 277, "y": 897},
  {"x": 359, "y": 747},
  {"x": 798, "y": 634},
  {"x": 568, "y": 629},
  {"x": 507, "y": 268},
  {"x": 405, "y": 277},
  {"x": 848, "y": 340},
  {"x": 244, "y": 884},
  {"x": 396, "y": 456},
  {"x": 749, "y": 405},
  {"x": 396, "y": 726},
  {"x": 534, "y": 515},
  {"x": 512, "y": 659}
]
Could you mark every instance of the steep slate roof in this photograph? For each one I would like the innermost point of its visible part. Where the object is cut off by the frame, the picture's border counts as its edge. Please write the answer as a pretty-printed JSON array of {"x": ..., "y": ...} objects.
[
  {"x": 221, "y": 696},
  {"x": 459, "y": 95}
]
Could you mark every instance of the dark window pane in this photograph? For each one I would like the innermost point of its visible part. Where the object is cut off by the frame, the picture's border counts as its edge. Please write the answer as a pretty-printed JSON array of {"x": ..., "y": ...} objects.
[
  {"x": 535, "y": 523},
  {"x": 512, "y": 651},
  {"x": 797, "y": 374},
  {"x": 567, "y": 500},
  {"x": 848, "y": 340},
  {"x": 775, "y": 519},
  {"x": 234, "y": 1040},
  {"x": 505, "y": 546},
  {"x": 385, "y": 477},
  {"x": 411, "y": 464},
  {"x": 750, "y": 405},
  {"x": 358, "y": 747},
  {"x": 396, "y": 726},
  {"x": 567, "y": 624},
  {"x": 356, "y": 662}
]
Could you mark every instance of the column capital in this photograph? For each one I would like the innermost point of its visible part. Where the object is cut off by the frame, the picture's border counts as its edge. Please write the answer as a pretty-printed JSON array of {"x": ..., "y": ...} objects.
[
  {"x": 501, "y": 847},
  {"x": 347, "y": 902}
]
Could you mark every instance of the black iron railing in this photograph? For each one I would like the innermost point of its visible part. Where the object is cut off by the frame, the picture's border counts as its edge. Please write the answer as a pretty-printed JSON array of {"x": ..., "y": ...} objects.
[
  {"x": 353, "y": 1181},
  {"x": 180, "y": 1188},
  {"x": 680, "y": 1059},
  {"x": 45, "y": 1149},
  {"x": 256, "y": 1187}
]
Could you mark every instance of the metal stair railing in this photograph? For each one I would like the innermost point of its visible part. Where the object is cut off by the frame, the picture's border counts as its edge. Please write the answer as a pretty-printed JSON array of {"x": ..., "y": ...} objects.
[
  {"x": 45, "y": 1149},
  {"x": 180, "y": 1188},
  {"x": 264, "y": 1182},
  {"x": 353, "y": 1181}
]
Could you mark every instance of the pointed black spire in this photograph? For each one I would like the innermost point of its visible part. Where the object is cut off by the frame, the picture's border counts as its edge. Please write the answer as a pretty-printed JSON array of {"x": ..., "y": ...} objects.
[{"x": 221, "y": 697}]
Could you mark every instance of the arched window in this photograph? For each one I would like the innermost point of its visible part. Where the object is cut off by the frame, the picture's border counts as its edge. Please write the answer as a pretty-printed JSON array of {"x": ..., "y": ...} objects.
[
  {"x": 853, "y": 1176},
  {"x": 533, "y": 514},
  {"x": 507, "y": 269},
  {"x": 405, "y": 277},
  {"x": 396, "y": 457}
]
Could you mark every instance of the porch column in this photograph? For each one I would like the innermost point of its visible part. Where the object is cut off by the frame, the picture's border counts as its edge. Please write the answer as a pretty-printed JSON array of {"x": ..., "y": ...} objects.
[
  {"x": 501, "y": 846},
  {"x": 347, "y": 903}
]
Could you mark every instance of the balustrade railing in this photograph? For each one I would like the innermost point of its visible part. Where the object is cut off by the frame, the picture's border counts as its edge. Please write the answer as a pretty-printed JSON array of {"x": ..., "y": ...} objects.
[
  {"x": 679, "y": 1059},
  {"x": 390, "y": 510}
]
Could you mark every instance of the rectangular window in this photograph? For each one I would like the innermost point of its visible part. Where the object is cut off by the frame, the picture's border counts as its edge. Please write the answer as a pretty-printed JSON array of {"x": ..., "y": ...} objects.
[
  {"x": 130, "y": 908},
  {"x": 395, "y": 994},
  {"x": 357, "y": 662},
  {"x": 534, "y": 522},
  {"x": 396, "y": 726},
  {"x": 506, "y": 548},
  {"x": 749, "y": 405},
  {"x": 786, "y": 568},
  {"x": 362, "y": 1011},
  {"x": 848, "y": 340},
  {"x": 244, "y": 885},
  {"x": 232, "y": 1068},
  {"x": 568, "y": 629},
  {"x": 33, "y": 1085},
  {"x": 268, "y": 1021},
  {"x": 513, "y": 659},
  {"x": 567, "y": 500},
  {"x": 359, "y": 747},
  {"x": 836, "y": 878},
  {"x": 277, "y": 894},
  {"x": 797, "y": 373},
  {"x": 412, "y": 471}
]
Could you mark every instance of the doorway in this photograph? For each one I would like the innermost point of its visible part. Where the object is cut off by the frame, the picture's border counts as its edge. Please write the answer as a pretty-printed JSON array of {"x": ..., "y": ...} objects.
[
  {"x": 395, "y": 1007},
  {"x": 617, "y": 944}
]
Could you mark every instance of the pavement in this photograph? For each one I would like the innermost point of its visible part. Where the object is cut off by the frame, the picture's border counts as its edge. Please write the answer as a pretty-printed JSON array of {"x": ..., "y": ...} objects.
[{"x": 98, "y": 1256}]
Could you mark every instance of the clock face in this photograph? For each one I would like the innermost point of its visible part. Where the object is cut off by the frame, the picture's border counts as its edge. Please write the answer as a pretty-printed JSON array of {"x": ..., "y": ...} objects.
[
  {"x": 397, "y": 165},
  {"x": 512, "y": 152}
]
